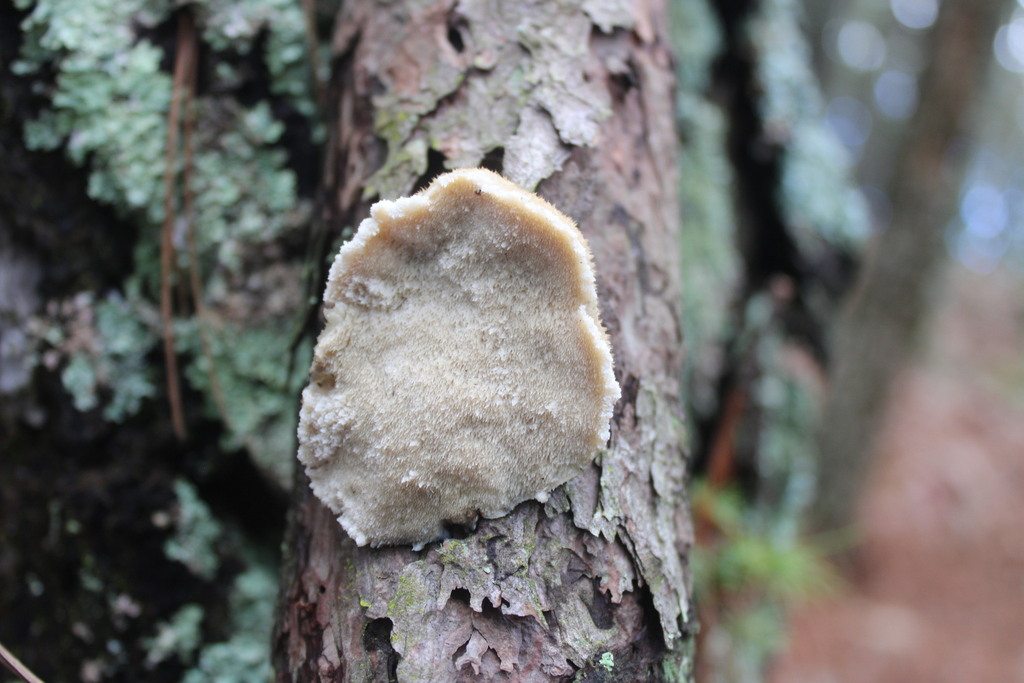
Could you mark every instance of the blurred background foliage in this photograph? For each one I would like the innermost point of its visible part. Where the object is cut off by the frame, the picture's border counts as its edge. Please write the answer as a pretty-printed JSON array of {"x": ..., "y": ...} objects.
[{"x": 795, "y": 338}]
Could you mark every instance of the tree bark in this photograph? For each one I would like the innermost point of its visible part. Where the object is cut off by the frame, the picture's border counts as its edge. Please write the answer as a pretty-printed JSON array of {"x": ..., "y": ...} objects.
[{"x": 573, "y": 99}]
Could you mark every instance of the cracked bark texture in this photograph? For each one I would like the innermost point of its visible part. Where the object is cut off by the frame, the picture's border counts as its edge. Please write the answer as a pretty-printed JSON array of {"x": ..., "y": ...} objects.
[{"x": 573, "y": 99}]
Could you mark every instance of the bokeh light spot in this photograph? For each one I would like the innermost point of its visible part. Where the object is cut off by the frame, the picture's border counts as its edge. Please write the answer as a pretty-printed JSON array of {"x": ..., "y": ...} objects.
[
  {"x": 850, "y": 121},
  {"x": 896, "y": 94},
  {"x": 861, "y": 46},
  {"x": 915, "y": 14}
]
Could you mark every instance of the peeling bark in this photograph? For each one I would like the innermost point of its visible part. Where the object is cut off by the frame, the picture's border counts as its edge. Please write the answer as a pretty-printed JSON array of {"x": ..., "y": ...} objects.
[{"x": 575, "y": 100}]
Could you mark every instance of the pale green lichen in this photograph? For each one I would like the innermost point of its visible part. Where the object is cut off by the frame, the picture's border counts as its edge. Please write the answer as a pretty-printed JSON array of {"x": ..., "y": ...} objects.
[
  {"x": 817, "y": 192},
  {"x": 229, "y": 25},
  {"x": 113, "y": 363},
  {"x": 245, "y": 655},
  {"x": 110, "y": 96},
  {"x": 108, "y": 108},
  {"x": 79, "y": 378},
  {"x": 682, "y": 666},
  {"x": 786, "y": 453},
  {"x": 252, "y": 367},
  {"x": 820, "y": 205},
  {"x": 409, "y": 605},
  {"x": 87, "y": 576},
  {"x": 196, "y": 533},
  {"x": 696, "y": 41},
  {"x": 711, "y": 268},
  {"x": 711, "y": 272},
  {"x": 178, "y": 637},
  {"x": 607, "y": 661},
  {"x": 244, "y": 192}
]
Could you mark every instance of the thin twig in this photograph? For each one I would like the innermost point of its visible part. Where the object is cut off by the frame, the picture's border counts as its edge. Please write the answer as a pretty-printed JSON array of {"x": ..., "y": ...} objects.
[
  {"x": 16, "y": 667},
  {"x": 182, "y": 66},
  {"x": 722, "y": 453}
]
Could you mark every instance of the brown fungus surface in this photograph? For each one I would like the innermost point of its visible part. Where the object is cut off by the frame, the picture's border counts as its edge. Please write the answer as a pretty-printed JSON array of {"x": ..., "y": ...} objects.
[{"x": 462, "y": 369}]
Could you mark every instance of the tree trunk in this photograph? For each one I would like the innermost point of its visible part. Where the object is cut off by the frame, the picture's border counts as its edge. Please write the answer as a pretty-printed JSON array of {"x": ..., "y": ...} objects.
[
  {"x": 878, "y": 332},
  {"x": 575, "y": 101}
]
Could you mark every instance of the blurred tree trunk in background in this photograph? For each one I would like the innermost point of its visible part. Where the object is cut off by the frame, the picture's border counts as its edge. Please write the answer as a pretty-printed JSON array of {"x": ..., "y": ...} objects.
[
  {"x": 772, "y": 225},
  {"x": 880, "y": 328}
]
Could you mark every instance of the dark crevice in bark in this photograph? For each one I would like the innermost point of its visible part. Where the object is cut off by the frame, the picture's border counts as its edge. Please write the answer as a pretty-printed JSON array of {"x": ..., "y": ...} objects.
[
  {"x": 459, "y": 595},
  {"x": 164, "y": 36},
  {"x": 621, "y": 83},
  {"x": 769, "y": 252},
  {"x": 651, "y": 637},
  {"x": 243, "y": 493},
  {"x": 435, "y": 167},
  {"x": 494, "y": 160},
  {"x": 600, "y": 606},
  {"x": 377, "y": 642},
  {"x": 550, "y": 618},
  {"x": 732, "y": 76},
  {"x": 456, "y": 531},
  {"x": 496, "y": 548},
  {"x": 630, "y": 386},
  {"x": 457, "y": 26}
]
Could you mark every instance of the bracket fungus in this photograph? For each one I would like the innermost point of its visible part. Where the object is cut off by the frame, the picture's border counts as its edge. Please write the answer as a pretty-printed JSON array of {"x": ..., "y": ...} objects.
[{"x": 462, "y": 368}]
